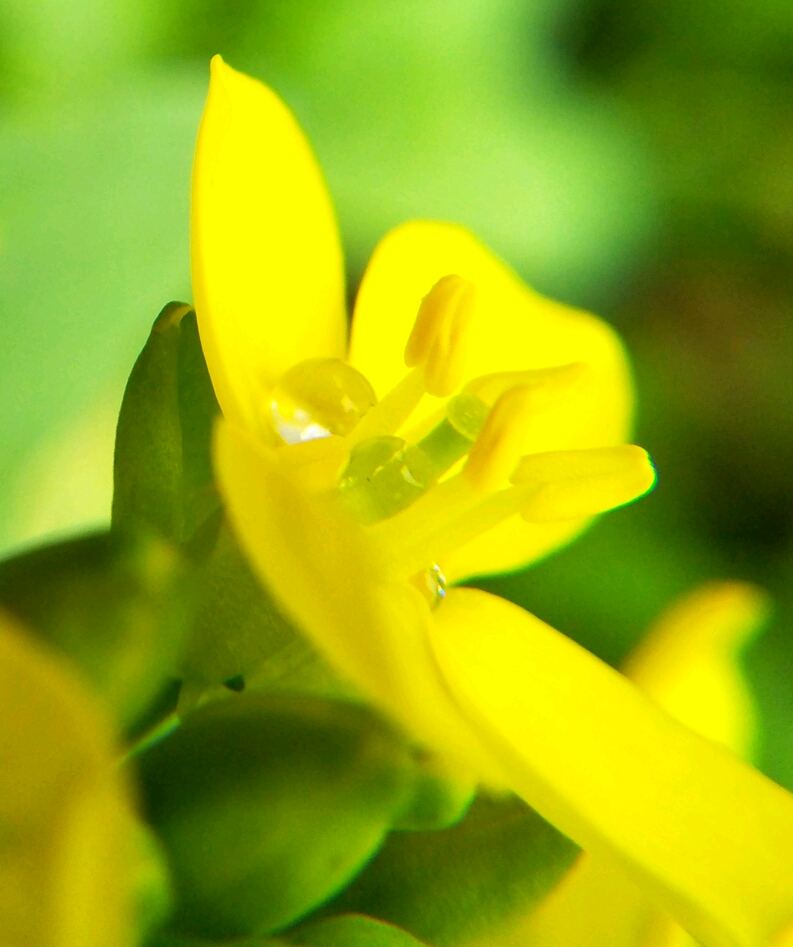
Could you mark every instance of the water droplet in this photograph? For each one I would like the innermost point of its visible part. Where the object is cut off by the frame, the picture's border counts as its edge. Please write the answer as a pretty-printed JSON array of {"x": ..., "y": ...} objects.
[
  {"x": 383, "y": 476},
  {"x": 318, "y": 398},
  {"x": 432, "y": 583},
  {"x": 467, "y": 414}
]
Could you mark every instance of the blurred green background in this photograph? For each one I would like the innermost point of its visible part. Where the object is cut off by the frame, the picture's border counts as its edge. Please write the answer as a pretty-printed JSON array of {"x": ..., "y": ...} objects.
[{"x": 631, "y": 156}]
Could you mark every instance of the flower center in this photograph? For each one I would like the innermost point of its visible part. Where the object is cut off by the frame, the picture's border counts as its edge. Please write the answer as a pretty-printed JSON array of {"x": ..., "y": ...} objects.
[{"x": 407, "y": 491}]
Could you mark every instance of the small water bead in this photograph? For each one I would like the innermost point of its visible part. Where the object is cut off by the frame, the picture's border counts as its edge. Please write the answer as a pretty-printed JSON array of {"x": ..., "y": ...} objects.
[
  {"x": 318, "y": 398},
  {"x": 384, "y": 475},
  {"x": 435, "y": 582},
  {"x": 467, "y": 414}
]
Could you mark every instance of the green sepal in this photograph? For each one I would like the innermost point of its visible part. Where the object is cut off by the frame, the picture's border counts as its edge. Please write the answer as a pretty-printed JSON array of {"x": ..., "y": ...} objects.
[
  {"x": 162, "y": 476},
  {"x": 198, "y": 409},
  {"x": 351, "y": 930},
  {"x": 119, "y": 606},
  {"x": 451, "y": 886},
  {"x": 267, "y": 806},
  {"x": 438, "y": 802},
  {"x": 239, "y": 634},
  {"x": 174, "y": 939}
]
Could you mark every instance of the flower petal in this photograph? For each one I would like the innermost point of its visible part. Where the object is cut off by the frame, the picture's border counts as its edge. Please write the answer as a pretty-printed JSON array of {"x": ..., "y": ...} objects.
[
  {"x": 267, "y": 264},
  {"x": 318, "y": 565},
  {"x": 64, "y": 857},
  {"x": 513, "y": 328},
  {"x": 709, "y": 838},
  {"x": 688, "y": 664}
]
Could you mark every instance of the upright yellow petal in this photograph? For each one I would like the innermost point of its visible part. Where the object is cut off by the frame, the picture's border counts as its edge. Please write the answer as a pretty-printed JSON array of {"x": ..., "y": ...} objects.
[
  {"x": 706, "y": 836},
  {"x": 64, "y": 827},
  {"x": 512, "y": 328},
  {"x": 267, "y": 263}
]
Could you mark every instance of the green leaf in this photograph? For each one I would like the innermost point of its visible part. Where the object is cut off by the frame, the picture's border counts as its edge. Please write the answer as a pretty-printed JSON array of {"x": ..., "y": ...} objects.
[
  {"x": 162, "y": 476},
  {"x": 269, "y": 805},
  {"x": 351, "y": 930},
  {"x": 451, "y": 886},
  {"x": 118, "y": 606}
]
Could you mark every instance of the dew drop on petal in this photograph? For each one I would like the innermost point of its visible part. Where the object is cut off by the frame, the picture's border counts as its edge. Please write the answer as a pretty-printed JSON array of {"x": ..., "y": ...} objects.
[
  {"x": 318, "y": 398},
  {"x": 432, "y": 584}
]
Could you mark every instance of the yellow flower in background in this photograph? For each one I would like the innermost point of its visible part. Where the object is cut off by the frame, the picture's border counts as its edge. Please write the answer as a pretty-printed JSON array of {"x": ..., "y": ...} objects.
[
  {"x": 67, "y": 858},
  {"x": 355, "y": 486},
  {"x": 689, "y": 664}
]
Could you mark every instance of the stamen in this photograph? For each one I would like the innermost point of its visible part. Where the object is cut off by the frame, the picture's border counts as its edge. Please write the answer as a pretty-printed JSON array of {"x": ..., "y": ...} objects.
[
  {"x": 388, "y": 415},
  {"x": 318, "y": 398},
  {"x": 548, "y": 383},
  {"x": 461, "y": 524},
  {"x": 428, "y": 514},
  {"x": 385, "y": 475},
  {"x": 440, "y": 334},
  {"x": 579, "y": 483},
  {"x": 516, "y": 396},
  {"x": 382, "y": 476},
  {"x": 497, "y": 450}
]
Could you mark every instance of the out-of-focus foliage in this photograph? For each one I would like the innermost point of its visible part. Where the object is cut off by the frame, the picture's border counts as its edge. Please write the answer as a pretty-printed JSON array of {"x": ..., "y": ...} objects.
[{"x": 118, "y": 606}]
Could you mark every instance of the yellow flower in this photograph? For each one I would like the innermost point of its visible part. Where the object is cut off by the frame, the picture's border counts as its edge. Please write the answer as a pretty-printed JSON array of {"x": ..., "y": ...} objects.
[
  {"x": 66, "y": 858},
  {"x": 346, "y": 528}
]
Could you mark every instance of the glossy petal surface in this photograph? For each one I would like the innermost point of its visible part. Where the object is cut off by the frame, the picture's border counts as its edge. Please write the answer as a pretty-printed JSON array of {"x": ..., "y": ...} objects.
[
  {"x": 513, "y": 328},
  {"x": 64, "y": 860},
  {"x": 266, "y": 257},
  {"x": 707, "y": 837}
]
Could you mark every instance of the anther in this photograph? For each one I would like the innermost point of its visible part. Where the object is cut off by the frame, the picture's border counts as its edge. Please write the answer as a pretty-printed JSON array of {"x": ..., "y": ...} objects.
[
  {"x": 497, "y": 450},
  {"x": 578, "y": 483},
  {"x": 440, "y": 334},
  {"x": 548, "y": 383}
]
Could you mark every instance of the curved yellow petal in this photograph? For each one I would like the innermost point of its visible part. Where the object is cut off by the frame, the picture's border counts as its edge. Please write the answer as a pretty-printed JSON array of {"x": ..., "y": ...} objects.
[
  {"x": 319, "y": 566},
  {"x": 64, "y": 826},
  {"x": 706, "y": 836},
  {"x": 266, "y": 257},
  {"x": 512, "y": 328},
  {"x": 688, "y": 664}
]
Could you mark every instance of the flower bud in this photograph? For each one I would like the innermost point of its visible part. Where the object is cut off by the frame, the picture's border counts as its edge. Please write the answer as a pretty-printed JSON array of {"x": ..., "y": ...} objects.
[{"x": 162, "y": 476}]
